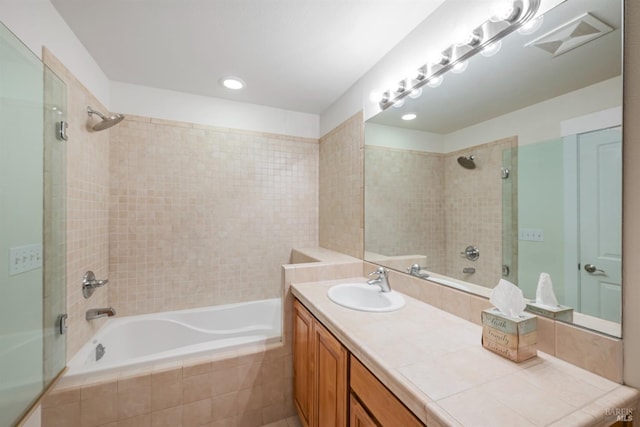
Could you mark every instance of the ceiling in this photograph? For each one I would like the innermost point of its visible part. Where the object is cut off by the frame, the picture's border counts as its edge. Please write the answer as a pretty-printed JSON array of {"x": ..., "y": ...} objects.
[
  {"x": 518, "y": 75},
  {"x": 299, "y": 55}
]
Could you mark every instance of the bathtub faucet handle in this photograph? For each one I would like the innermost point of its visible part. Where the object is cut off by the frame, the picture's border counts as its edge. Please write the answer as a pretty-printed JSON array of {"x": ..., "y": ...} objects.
[{"x": 89, "y": 283}]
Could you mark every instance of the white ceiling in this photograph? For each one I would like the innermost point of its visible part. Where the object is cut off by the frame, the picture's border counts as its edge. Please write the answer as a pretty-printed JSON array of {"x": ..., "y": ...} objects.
[{"x": 299, "y": 55}]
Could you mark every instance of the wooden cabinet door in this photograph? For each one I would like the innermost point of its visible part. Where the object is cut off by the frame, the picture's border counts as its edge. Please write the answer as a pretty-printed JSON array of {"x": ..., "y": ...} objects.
[
  {"x": 383, "y": 405},
  {"x": 358, "y": 416},
  {"x": 330, "y": 378},
  {"x": 303, "y": 339}
]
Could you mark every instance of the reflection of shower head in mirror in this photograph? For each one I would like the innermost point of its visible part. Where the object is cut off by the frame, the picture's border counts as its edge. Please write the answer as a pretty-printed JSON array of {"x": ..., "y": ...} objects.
[{"x": 467, "y": 162}]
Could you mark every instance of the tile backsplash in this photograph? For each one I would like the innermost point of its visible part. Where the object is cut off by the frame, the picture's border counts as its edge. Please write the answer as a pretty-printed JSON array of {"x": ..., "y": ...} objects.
[{"x": 205, "y": 216}]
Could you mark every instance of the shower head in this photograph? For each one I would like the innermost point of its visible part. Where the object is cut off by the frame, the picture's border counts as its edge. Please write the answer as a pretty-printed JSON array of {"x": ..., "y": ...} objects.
[
  {"x": 106, "y": 122},
  {"x": 467, "y": 162}
]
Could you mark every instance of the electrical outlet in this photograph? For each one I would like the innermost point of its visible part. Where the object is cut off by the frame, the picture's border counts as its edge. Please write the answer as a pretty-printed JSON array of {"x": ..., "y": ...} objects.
[
  {"x": 531, "y": 234},
  {"x": 24, "y": 258}
]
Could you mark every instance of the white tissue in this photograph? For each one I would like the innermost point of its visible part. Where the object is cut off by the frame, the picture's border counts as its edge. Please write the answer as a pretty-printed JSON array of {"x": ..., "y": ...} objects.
[
  {"x": 508, "y": 298},
  {"x": 544, "y": 292}
]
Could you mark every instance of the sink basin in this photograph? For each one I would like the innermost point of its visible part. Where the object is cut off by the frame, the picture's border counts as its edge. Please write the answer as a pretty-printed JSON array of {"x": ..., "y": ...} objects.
[{"x": 363, "y": 297}]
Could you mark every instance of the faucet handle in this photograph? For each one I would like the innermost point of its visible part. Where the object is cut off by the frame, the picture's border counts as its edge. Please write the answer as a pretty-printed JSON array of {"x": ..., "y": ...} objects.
[
  {"x": 415, "y": 268},
  {"x": 380, "y": 271}
]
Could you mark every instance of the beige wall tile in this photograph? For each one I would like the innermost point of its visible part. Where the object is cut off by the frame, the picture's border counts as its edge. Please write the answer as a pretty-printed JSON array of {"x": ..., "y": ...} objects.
[
  {"x": 224, "y": 406},
  {"x": 197, "y": 413},
  {"x": 166, "y": 394},
  {"x": 139, "y": 421},
  {"x": 546, "y": 330},
  {"x": 596, "y": 353},
  {"x": 341, "y": 211},
  {"x": 395, "y": 221},
  {"x": 64, "y": 415},
  {"x": 87, "y": 207},
  {"x": 94, "y": 412},
  {"x": 485, "y": 232},
  {"x": 456, "y": 302},
  {"x": 225, "y": 381},
  {"x": 196, "y": 367},
  {"x": 477, "y": 305},
  {"x": 61, "y": 397},
  {"x": 171, "y": 417},
  {"x": 192, "y": 207},
  {"x": 196, "y": 387},
  {"x": 134, "y": 395}
]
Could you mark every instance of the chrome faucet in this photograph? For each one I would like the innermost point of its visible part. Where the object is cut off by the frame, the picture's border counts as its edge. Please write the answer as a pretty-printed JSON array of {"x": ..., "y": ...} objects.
[
  {"x": 97, "y": 313},
  {"x": 414, "y": 270},
  {"x": 382, "y": 280}
]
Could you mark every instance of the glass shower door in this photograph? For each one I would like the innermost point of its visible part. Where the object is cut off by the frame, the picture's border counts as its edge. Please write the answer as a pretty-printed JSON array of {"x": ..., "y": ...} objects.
[
  {"x": 55, "y": 251},
  {"x": 31, "y": 230}
]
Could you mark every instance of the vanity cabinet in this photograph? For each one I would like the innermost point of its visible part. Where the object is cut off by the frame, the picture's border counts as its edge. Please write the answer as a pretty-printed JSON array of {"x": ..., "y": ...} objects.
[
  {"x": 322, "y": 394},
  {"x": 358, "y": 416},
  {"x": 320, "y": 372},
  {"x": 383, "y": 405}
]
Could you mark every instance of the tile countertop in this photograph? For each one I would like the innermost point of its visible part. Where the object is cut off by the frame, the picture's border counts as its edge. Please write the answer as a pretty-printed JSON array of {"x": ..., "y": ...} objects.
[{"x": 434, "y": 362}]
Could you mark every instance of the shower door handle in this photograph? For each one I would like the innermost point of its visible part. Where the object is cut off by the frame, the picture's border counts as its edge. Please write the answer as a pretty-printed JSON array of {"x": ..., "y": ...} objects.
[{"x": 590, "y": 268}]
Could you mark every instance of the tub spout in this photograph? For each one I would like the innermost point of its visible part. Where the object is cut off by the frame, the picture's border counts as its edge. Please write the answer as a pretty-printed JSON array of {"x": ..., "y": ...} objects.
[{"x": 97, "y": 313}]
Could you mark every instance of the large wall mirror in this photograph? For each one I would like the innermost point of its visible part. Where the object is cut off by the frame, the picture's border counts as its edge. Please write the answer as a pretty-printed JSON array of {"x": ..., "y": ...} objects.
[{"x": 511, "y": 168}]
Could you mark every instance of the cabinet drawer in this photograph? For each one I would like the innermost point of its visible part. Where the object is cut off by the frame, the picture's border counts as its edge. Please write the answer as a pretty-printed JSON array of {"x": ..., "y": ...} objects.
[{"x": 380, "y": 402}]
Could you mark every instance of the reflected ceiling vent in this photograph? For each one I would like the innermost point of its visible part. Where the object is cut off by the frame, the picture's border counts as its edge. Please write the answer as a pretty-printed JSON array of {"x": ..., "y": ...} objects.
[{"x": 574, "y": 33}]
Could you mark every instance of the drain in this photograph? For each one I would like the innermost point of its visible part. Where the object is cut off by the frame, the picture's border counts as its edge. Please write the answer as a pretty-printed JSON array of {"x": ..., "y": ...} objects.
[{"x": 100, "y": 350}]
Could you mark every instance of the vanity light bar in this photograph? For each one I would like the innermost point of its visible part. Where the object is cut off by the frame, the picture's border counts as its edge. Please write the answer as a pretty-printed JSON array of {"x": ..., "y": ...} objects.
[{"x": 489, "y": 32}]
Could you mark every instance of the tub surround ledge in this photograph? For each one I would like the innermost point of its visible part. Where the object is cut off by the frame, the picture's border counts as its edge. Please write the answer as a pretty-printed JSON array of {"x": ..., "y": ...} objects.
[{"x": 434, "y": 363}]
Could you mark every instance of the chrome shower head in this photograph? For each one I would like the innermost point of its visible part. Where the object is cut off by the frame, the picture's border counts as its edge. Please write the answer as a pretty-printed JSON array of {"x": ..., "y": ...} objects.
[
  {"x": 467, "y": 162},
  {"x": 106, "y": 122}
]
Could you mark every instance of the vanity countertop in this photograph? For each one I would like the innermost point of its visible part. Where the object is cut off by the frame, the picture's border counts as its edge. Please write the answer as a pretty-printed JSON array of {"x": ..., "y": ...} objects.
[{"x": 434, "y": 362}]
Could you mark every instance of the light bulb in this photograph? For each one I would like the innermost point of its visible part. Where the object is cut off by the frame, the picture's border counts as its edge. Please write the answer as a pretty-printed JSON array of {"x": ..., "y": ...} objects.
[
  {"x": 415, "y": 93},
  {"x": 460, "y": 67},
  {"x": 531, "y": 27},
  {"x": 491, "y": 49},
  {"x": 399, "y": 103},
  {"x": 234, "y": 83},
  {"x": 435, "y": 81},
  {"x": 505, "y": 10},
  {"x": 409, "y": 116},
  {"x": 437, "y": 58}
]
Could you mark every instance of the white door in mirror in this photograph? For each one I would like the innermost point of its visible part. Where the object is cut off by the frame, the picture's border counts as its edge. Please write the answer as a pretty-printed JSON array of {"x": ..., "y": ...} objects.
[
  {"x": 363, "y": 297},
  {"x": 600, "y": 223}
]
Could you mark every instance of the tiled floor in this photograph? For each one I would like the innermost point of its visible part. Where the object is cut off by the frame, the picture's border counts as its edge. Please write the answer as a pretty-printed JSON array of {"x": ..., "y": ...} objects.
[{"x": 288, "y": 422}]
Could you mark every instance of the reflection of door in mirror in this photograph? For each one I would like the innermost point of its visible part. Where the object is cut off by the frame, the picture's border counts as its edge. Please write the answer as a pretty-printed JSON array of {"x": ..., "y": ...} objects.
[{"x": 600, "y": 220}]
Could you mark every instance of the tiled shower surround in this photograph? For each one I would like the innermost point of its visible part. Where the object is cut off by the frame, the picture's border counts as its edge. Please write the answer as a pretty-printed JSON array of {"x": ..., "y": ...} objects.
[
  {"x": 87, "y": 207},
  {"x": 205, "y": 216},
  {"x": 442, "y": 209},
  {"x": 410, "y": 221}
]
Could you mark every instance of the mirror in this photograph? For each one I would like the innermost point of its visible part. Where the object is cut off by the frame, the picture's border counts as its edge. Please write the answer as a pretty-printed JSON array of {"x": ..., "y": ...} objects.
[{"x": 511, "y": 168}]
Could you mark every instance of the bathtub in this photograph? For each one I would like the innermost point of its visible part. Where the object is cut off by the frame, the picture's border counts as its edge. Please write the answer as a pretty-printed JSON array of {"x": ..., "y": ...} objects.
[{"x": 138, "y": 341}]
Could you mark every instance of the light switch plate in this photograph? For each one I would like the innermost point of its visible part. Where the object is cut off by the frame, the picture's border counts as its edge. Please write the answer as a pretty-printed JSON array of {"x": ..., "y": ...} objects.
[
  {"x": 531, "y": 234},
  {"x": 25, "y": 258}
]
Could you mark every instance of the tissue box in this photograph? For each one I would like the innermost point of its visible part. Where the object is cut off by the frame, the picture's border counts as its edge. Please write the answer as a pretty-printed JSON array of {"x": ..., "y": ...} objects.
[
  {"x": 562, "y": 312},
  {"x": 512, "y": 337}
]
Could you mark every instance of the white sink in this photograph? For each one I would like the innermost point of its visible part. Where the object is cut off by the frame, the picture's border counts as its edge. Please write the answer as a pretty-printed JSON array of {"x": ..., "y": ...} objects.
[{"x": 363, "y": 297}]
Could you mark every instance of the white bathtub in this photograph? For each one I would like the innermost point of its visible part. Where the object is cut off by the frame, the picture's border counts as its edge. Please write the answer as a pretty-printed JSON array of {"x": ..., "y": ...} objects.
[{"x": 136, "y": 341}]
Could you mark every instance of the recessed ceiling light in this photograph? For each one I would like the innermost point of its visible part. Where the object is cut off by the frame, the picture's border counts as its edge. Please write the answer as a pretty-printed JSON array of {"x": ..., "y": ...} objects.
[
  {"x": 409, "y": 116},
  {"x": 234, "y": 83}
]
